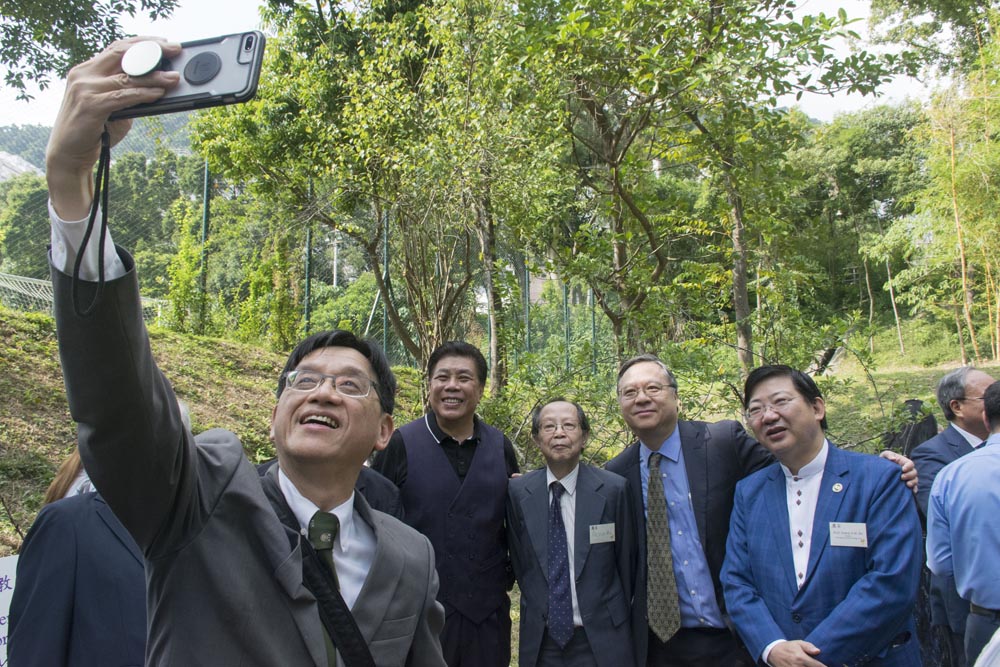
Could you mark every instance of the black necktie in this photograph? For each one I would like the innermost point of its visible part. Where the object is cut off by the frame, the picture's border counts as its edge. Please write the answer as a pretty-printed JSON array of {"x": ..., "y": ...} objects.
[
  {"x": 560, "y": 598},
  {"x": 323, "y": 529},
  {"x": 663, "y": 610}
]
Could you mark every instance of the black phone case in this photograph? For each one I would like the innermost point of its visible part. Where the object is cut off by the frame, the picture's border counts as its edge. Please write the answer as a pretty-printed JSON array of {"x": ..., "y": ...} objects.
[{"x": 215, "y": 71}]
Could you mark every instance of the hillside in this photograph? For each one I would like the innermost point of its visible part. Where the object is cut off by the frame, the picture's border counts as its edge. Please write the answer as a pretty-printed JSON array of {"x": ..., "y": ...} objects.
[
  {"x": 225, "y": 384},
  {"x": 230, "y": 385}
]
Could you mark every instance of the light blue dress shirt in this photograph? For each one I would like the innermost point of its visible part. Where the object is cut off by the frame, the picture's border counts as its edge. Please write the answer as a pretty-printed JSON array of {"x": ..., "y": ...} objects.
[
  {"x": 695, "y": 590},
  {"x": 963, "y": 536}
]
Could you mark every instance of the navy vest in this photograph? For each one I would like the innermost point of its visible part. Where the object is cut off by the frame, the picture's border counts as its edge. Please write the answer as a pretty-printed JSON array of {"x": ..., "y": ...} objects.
[{"x": 464, "y": 520}]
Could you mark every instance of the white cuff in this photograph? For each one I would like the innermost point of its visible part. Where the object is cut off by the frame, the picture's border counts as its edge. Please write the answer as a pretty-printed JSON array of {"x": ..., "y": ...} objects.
[{"x": 67, "y": 236}]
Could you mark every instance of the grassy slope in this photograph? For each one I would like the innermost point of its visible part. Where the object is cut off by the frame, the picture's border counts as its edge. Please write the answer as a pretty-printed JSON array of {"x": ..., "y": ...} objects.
[
  {"x": 231, "y": 386},
  {"x": 225, "y": 385}
]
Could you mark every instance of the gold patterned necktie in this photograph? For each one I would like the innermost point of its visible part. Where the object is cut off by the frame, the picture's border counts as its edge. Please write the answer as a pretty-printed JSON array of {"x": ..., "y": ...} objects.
[
  {"x": 323, "y": 529},
  {"x": 662, "y": 607}
]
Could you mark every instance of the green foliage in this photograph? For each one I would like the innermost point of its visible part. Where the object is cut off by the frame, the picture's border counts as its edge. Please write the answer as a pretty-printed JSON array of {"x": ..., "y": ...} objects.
[
  {"x": 24, "y": 227},
  {"x": 45, "y": 37},
  {"x": 26, "y": 141}
]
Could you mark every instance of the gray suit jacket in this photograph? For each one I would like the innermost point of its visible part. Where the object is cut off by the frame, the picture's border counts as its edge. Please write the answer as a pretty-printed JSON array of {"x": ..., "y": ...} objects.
[
  {"x": 224, "y": 575},
  {"x": 605, "y": 572}
]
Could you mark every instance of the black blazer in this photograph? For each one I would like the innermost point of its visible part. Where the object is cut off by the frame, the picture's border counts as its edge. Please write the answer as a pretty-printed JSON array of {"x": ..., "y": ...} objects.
[
  {"x": 716, "y": 457},
  {"x": 80, "y": 596}
]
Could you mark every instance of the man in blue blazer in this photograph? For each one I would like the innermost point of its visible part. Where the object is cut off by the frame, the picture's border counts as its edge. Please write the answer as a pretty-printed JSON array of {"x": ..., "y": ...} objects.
[
  {"x": 823, "y": 557},
  {"x": 574, "y": 610},
  {"x": 960, "y": 396},
  {"x": 80, "y": 599}
]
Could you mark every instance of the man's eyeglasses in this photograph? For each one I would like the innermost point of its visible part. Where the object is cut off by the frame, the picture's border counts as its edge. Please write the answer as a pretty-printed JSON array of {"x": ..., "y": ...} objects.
[
  {"x": 346, "y": 384},
  {"x": 970, "y": 398},
  {"x": 651, "y": 390},
  {"x": 756, "y": 411},
  {"x": 568, "y": 428}
]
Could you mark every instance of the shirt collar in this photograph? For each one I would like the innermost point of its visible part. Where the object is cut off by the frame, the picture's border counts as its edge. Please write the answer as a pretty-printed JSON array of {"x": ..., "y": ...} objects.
[
  {"x": 994, "y": 439},
  {"x": 568, "y": 482},
  {"x": 430, "y": 419},
  {"x": 814, "y": 467},
  {"x": 974, "y": 441},
  {"x": 304, "y": 509},
  {"x": 670, "y": 448}
]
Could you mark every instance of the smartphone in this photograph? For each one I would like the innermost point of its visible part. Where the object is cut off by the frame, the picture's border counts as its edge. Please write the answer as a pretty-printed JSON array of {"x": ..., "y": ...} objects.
[{"x": 214, "y": 71}]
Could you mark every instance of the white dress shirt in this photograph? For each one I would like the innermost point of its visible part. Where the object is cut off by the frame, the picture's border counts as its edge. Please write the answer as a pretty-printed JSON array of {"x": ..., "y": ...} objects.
[
  {"x": 354, "y": 548},
  {"x": 801, "y": 495},
  {"x": 567, "y": 507}
]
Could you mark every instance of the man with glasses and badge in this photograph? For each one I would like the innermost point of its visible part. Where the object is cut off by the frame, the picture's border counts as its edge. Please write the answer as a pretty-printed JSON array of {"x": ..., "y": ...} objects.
[
  {"x": 823, "y": 557},
  {"x": 292, "y": 568},
  {"x": 571, "y": 531},
  {"x": 679, "y": 617}
]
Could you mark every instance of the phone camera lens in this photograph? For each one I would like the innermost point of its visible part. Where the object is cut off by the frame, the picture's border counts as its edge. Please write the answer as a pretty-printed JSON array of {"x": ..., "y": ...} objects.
[{"x": 248, "y": 43}]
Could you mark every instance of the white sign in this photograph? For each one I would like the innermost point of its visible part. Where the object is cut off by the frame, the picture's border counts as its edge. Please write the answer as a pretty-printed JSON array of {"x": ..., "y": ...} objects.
[{"x": 8, "y": 567}]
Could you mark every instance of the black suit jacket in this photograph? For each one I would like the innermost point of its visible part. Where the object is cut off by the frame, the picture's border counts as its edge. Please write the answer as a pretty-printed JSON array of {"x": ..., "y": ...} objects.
[
  {"x": 716, "y": 457},
  {"x": 80, "y": 598},
  {"x": 380, "y": 493},
  {"x": 947, "y": 606}
]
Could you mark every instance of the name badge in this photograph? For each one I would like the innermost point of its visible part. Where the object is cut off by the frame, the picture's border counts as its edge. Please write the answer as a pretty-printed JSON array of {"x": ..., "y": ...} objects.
[
  {"x": 848, "y": 534},
  {"x": 602, "y": 532}
]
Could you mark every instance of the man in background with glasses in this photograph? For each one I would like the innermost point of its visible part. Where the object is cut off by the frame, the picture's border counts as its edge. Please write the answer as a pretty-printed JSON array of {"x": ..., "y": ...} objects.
[
  {"x": 963, "y": 534},
  {"x": 290, "y": 569},
  {"x": 679, "y": 617},
  {"x": 960, "y": 395},
  {"x": 823, "y": 557},
  {"x": 571, "y": 531}
]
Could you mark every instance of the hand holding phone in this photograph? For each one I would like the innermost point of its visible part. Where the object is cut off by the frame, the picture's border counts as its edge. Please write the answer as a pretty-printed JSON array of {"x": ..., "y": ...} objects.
[{"x": 213, "y": 72}]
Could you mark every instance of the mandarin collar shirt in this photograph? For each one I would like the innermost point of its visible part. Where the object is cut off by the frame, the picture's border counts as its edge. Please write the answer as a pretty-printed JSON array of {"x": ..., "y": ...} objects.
[
  {"x": 802, "y": 494},
  {"x": 695, "y": 589}
]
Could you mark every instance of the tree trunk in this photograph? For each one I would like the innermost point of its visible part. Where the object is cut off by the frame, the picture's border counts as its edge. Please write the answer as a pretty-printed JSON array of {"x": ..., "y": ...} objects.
[
  {"x": 966, "y": 291},
  {"x": 871, "y": 308},
  {"x": 895, "y": 309}
]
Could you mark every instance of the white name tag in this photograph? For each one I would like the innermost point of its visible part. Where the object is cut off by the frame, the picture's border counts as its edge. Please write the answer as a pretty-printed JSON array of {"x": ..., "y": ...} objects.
[
  {"x": 602, "y": 532},
  {"x": 848, "y": 534}
]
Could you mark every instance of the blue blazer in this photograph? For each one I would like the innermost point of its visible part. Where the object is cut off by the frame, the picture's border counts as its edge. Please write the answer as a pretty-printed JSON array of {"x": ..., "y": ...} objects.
[
  {"x": 80, "y": 595},
  {"x": 605, "y": 572},
  {"x": 856, "y": 604}
]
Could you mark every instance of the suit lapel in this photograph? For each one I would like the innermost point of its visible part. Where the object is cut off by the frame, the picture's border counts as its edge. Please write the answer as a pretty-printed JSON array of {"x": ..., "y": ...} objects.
[
  {"x": 589, "y": 509},
  {"x": 827, "y": 505},
  {"x": 959, "y": 445},
  {"x": 776, "y": 503},
  {"x": 387, "y": 566},
  {"x": 289, "y": 573},
  {"x": 535, "y": 510},
  {"x": 696, "y": 465},
  {"x": 108, "y": 517}
]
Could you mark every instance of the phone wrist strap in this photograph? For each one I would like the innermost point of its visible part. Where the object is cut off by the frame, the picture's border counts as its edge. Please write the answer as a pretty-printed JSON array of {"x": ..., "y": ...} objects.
[{"x": 100, "y": 203}]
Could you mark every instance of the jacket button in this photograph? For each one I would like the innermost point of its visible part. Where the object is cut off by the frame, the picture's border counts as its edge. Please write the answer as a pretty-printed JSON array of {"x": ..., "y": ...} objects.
[{"x": 796, "y": 618}]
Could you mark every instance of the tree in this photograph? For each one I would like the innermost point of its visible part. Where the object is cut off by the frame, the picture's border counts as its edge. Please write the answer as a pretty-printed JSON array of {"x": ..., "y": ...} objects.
[
  {"x": 24, "y": 234},
  {"x": 43, "y": 37},
  {"x": 690, "y": 87}
]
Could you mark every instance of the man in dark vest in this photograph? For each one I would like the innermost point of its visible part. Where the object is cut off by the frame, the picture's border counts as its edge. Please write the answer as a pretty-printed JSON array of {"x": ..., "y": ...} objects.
[{"x": 452, "y": 471}]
